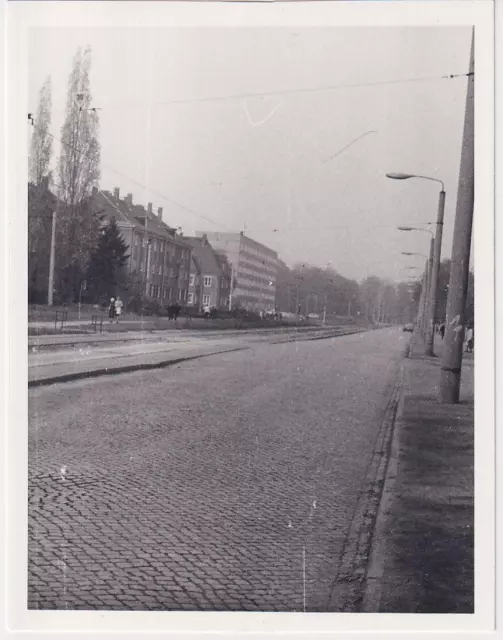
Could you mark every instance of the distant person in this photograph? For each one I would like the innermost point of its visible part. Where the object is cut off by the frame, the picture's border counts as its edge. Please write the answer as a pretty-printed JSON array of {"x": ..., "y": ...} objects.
[
  {"x": 118, "y": 309},
  {"x": 441, "y": 330},
  {"x": 207, "y": 311},
  {"x": 111, "y": 309},
  {"x": 469, "y": 339}
]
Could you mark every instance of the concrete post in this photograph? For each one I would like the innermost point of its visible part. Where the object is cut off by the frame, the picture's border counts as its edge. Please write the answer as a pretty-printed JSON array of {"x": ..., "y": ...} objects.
[
  {"x": 437, "y": 250},
  {"x": 52, "y": 259},
  {"x": 450, "y": 375},
  {"x": 430, "y": 273}
]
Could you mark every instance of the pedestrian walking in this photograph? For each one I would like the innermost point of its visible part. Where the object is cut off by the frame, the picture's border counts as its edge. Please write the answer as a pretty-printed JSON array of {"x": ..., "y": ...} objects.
[
  {"x": 111, "y": 309},
  {"x": 469, "y": 339},
  {"x": 206, "y": 311},
  {"x": 441, "y": 330},
  {"x": 118, "y": 309}
]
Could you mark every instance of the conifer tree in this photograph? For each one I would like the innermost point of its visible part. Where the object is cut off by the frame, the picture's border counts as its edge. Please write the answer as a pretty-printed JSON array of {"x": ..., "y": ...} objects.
[{"x": 106, "y": 276}]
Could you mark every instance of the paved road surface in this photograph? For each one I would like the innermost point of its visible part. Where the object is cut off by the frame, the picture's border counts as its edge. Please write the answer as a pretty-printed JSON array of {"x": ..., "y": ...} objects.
[{"x": 223, "y": 483}]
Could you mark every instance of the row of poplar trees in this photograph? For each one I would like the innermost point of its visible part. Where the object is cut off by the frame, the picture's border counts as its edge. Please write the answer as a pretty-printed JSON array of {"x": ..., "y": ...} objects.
[{"x": 90, "y": 254}]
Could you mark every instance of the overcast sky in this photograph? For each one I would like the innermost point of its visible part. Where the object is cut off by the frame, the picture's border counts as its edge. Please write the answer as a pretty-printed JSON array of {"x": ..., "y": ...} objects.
[{"x": 260, "y": 163}]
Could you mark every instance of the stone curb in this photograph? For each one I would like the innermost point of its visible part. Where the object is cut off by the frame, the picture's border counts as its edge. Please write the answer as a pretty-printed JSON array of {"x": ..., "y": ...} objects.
[
  {"x": 128, "y": 368},
  {"x": 348, "y": 591}
]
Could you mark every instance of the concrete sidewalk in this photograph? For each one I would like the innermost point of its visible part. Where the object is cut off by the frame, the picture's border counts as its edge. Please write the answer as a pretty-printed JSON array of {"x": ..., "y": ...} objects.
[
  {"x": 422, "y": 557},
  {"x": 67, "y": 365}
]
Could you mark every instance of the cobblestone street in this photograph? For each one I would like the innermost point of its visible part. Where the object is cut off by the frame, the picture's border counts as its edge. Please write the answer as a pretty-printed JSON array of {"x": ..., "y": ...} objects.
[{"x": 227, "y": 483}]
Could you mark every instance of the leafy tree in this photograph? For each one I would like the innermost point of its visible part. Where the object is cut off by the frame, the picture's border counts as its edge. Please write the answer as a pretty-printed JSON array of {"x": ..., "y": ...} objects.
[
  {"x": 41, "y": 140},
  {"x": 106, "y": 275},
  {"x": 78, "y": 172},
  {"x": 41, "y": 204}
]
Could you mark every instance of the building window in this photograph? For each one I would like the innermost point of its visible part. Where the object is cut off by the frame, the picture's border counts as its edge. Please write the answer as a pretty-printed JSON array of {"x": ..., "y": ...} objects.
[
  {"x": 207, "y": 281},
  {"x": 190, "y": 298},
  {"x": 160, "y": 269},
  {"x": 206, "y": 299},
  {"x": 191, "y": 281}
]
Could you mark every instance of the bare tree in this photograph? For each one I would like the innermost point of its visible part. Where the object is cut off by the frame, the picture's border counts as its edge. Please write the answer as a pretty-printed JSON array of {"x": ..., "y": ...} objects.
[
  {"x": 78, "y": 172},
  {"x": 41, "y": 140},
  {"x": 79, "y": 161}
]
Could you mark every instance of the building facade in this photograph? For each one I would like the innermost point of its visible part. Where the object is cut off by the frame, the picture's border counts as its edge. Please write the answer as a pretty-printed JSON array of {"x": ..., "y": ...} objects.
[
  {"x": 159, "y": 259},
  {"x": 253, "y": 269},
  {"x": 209, "y": 283}
]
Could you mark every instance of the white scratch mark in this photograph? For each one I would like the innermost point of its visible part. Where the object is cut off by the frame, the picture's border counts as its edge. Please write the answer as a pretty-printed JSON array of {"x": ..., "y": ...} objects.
[
  {"x": 454, "y": 321},
  {"x": 258, "y": 123},
  {"x": 63, "y": 472},
  {"x": 289, "y": 524}
]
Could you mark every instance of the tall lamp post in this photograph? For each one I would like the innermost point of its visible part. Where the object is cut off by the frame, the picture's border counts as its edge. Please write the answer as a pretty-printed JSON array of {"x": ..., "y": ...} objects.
[
  {"x": 437, "y": 249},
  {"x": 425, "y": 287},
  {"x": 429, "y": 268}
]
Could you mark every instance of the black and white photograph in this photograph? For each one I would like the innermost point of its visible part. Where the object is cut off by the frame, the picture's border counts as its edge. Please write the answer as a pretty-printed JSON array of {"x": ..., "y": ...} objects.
[{"x": 250, "y": 271}]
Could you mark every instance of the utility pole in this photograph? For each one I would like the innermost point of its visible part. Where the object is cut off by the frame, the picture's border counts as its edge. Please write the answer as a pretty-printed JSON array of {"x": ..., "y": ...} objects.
[
  {"x": 452, "y": 356},
  {"x": 52, "y": 259},
  {"x": 428, "y": 284},
  {"x": 437, "y": 249}
]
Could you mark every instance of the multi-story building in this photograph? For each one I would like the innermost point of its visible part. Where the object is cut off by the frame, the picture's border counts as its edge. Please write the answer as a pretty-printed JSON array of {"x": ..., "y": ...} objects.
[
  {"x": 253, "y": 267},
  {"x": 210, "y": 276},
  {"x": 159, "y": 259}
]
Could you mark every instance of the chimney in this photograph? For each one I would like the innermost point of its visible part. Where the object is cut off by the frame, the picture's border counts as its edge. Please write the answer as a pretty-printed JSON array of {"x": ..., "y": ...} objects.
[
  {"x": 116, "y": 192},
  {"x": 159, "y": 213},
  {"x": 44, "y": 183},
  {"x": 129, "y": 199},
  {"x": 95, "y": 191},
  {"x": 149, "y": 207},
  {"x": 204, "y": 239}
]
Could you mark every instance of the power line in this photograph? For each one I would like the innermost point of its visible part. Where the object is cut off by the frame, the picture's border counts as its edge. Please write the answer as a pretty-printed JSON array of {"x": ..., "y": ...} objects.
[
  {"x": 284, "y": 92},
  {"x": 317, "y": 229},
  {"x": 133, "y": 181}
]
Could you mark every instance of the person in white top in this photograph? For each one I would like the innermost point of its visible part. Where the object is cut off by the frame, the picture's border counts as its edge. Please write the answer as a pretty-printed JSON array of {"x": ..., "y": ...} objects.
[
  {"x": 118, "y": 309},
  {"x": 469, "y": 339}
]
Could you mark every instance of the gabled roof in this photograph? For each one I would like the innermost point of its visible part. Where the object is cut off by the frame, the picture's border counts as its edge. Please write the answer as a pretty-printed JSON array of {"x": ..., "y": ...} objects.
[
  {"x": 134, "y": 216},
  {"x": 205, "y": 255}
]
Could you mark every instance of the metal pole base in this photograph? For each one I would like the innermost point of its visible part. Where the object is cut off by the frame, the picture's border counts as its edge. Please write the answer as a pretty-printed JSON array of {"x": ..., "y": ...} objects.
[
  {"x": 449, "y": 387},
  {"x": 428, "y": 351}
]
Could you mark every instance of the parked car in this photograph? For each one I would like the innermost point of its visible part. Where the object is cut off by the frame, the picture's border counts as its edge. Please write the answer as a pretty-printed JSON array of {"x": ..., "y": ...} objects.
[{"x": 408, "y": 327}]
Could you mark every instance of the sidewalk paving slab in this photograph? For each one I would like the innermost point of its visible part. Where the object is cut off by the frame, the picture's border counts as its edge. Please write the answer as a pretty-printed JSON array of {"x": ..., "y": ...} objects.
[
  {"x": 68, "y": 369},
  {"x": 423, "y": 559}
]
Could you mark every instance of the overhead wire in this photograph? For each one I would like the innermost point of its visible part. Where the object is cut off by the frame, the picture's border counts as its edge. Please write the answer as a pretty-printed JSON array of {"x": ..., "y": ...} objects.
[
  {"x": 285, "y": 92},
  {"x": 133, "y": 181}
]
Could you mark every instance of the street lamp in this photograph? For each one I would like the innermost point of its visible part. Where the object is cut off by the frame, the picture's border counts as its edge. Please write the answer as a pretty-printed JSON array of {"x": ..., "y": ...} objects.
[
  {"x": 416, "y": 229},
  {"x": 429, "y": 267},
  {"x": 437, "y": 249}
]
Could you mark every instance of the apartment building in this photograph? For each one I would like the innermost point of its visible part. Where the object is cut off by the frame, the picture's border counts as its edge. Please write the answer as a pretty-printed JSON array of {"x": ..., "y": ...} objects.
[
  {"x": 210, "y": 276},
  {"x": 159, "y": 258},
  {"x": 253, "y": 268}
]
